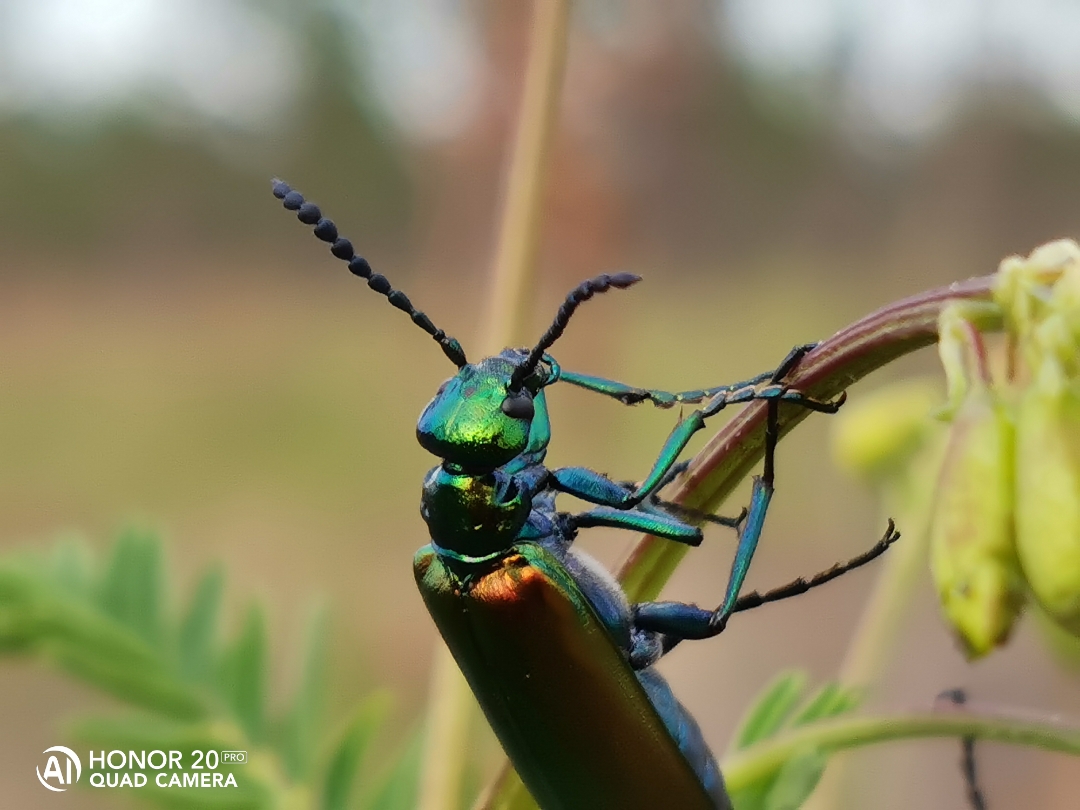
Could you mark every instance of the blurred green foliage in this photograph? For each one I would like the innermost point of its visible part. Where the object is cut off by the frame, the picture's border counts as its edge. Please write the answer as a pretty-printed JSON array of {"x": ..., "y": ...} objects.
[
  {"x": 784, "y": 705},
  {"x": 187, "y": 690}
]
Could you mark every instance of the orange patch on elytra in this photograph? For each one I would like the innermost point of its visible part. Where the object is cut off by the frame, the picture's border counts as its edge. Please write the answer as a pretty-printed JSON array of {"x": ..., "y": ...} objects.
[{"x": 509, "y": 583}]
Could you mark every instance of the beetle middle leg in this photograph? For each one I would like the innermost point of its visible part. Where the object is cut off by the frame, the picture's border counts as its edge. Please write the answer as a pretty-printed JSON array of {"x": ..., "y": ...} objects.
[
  {"x": 769, "y": 387},
  {"x": 596, "y": 488},
  {"x": 610, "y": 495},
  {"x": 654, "y": 516}
]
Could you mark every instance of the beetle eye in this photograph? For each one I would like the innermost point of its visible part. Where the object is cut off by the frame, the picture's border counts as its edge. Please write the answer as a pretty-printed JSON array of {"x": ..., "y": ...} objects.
[{"x": 518, "y": 406}]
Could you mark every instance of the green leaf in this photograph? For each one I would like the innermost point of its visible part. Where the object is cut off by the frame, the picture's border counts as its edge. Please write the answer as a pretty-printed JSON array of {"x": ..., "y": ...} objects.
[
  {"x": 751, "y": 797},
  {"x": 243, "y": 674},
  {"x": 771, "y": 709},
  {"x": 401, "y": 786},
  {"x": 71, "y": 566},
  {"x": 831, "y": 700},
  {"x": 350, "y": 749},
  {"x": 306, "y": 715},
  {"x": 130, "y": 591},
  {"x": 144, "y": 684},
  {"x": 790, "y": 785},
  {"x": 75, "y": 635},
  {"x": 796, "y": 780},
  {"x": 198, "y": 630}
]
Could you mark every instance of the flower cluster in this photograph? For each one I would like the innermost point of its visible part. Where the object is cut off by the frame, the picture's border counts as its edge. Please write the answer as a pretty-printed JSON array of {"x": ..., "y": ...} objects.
[{"x": 1005, "y": 520}]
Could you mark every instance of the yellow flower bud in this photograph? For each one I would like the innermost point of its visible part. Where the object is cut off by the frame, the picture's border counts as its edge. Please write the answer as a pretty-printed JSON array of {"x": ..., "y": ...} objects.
[
  {"x": 972, "y": 556},
  {"x": 972, "y": 551},
  {"x": 875, "y": 436},
  {"x": 1030, "y": 290},
  {"x": 1048, "y": 490}
]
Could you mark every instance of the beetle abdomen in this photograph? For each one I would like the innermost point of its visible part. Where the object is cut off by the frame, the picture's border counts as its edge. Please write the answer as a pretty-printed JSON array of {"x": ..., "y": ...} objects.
[
  {"x": 684, "y": 729},
  {"x": 570, "y": 712}
]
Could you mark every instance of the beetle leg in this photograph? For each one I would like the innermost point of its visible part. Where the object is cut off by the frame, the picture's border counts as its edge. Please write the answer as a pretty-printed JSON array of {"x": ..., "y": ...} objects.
[
  {"x": 594, "y": 487},
  {"x": 657, "y": 505},
  {"x": 679, "y": 621},
  {"x": 589, "y": 485},
  {"x": 802, "y": 585},
  {"x": 750, "y": 533},
  {"x": 631, "y": 395},
  {"x": 655, "y": 523},
  {"x": 597, "y": 489},
  {"x": 646, "y": 648}
]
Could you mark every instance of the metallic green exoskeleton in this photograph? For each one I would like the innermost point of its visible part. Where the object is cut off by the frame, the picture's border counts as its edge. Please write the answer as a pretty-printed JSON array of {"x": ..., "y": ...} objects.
[{"x": 559, "y": 660}]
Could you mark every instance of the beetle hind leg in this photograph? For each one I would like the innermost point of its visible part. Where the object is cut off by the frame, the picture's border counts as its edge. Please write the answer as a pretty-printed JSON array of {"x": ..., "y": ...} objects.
[{"x": 673, "y": 622}]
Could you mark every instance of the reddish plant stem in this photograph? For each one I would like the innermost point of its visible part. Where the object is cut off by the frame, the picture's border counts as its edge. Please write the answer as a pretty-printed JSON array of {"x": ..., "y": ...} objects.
[{"x": 842, "y": 360}]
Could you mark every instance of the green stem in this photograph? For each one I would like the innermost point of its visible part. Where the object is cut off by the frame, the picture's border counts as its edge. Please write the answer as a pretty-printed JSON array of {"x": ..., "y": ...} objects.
[
  {"x": 760, "y": 761},
  {"x": 519, "y": 230},
  {"x": 515, "y": 258}
]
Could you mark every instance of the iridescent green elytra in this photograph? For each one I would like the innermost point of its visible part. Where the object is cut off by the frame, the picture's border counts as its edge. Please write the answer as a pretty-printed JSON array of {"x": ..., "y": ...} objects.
[{"x": 559, "y": 660}]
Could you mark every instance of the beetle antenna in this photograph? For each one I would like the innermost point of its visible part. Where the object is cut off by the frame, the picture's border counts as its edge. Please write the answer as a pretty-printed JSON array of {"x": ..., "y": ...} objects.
[
  {"x": 326, "y": 230},
  {"x": 580, "y": 294}
]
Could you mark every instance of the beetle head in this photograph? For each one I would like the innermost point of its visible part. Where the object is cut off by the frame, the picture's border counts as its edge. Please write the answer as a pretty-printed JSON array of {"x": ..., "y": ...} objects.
[{"x": 477, "y": 420}]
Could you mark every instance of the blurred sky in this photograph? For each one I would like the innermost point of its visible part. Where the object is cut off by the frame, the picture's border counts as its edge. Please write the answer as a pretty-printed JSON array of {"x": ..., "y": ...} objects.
[
  {"x": 176, "y": 352},
  {"x": 902, "y": 68}
]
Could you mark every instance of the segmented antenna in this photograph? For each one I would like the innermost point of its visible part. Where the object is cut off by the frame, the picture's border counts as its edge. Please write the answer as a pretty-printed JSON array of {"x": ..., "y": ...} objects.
[
  {"x": 580, "y": 294},
  {"x": 326, "y": 230}
]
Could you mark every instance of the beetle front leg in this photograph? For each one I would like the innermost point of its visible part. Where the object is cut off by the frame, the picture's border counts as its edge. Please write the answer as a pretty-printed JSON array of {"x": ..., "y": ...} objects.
[
  {"x": 631, "y": 395},
  {"x": 597, "y": 489}
]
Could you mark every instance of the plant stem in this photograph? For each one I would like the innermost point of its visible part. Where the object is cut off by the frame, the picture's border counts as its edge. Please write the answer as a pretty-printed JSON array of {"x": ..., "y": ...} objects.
[
  {"x": 444, "y": 739},
  {"x": 837, "y": 363},
  {"x": 512, "y": 273},
  {"x": 840, "y": 361},
  {"x": 764, "y": 759},
  {"x": 519, "y": 231}
]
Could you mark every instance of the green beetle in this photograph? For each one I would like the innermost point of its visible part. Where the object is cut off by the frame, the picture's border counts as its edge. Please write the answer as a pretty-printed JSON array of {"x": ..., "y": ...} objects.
[{"x": 559, "y": 660}]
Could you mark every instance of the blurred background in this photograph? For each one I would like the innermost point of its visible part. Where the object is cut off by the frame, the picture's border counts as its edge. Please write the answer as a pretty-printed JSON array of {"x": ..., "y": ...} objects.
[{"x": 176, "y": 353}]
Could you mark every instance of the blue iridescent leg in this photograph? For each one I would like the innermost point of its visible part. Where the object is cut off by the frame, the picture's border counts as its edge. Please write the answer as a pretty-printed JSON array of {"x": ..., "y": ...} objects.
[
  {"x": 655, "y": 523},
  {"x": 584, "y": 483},
  {"x": 750, "y": 533},
  {"x": 631, "y": 395},
  {"x": 657, "y": 505},
  {"x": 676, "y": 621},
  {"x": 597, "y": 488}
]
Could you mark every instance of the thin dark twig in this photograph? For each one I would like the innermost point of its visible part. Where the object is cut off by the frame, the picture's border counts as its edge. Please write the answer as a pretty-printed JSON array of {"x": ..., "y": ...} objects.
[{"x": 974, "y": 793}]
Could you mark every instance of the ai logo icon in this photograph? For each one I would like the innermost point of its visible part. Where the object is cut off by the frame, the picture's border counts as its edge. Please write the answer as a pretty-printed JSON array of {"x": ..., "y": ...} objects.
[{"x": 53, "y": 771}]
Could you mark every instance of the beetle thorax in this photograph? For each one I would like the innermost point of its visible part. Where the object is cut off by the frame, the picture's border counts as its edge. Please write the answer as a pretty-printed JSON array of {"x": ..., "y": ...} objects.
[{"x": 474, "y": 517}]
